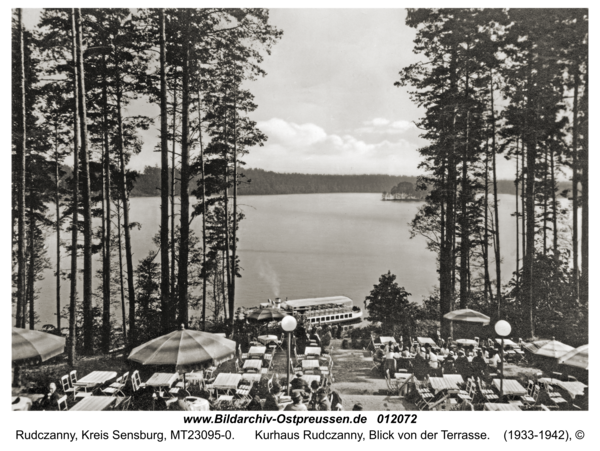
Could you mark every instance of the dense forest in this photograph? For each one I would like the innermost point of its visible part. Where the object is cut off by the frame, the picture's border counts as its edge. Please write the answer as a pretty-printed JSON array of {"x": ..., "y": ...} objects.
[
  {"x": 259, "y": 181},
  {"x": 73, "y": 77},
  {"x": 505, "y": 83}
]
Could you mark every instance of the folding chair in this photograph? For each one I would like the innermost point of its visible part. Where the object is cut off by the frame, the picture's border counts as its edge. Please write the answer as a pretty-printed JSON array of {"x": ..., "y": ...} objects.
[
  {"x": 117, "y": 386},
  {"x": 73, "y": 378},
  {"x": 136, "y": 382},
  {"x": 62, "y": 403}
]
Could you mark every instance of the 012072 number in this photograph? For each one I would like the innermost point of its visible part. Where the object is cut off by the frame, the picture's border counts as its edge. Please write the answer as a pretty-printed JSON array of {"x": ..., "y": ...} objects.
[{"x": 397, "y": 418}]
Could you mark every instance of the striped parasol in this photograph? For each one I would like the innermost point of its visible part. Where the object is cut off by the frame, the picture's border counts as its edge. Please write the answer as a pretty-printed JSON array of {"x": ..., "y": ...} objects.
[
  {"x": 32, "y": 344},
  {"x": 578, "y": 357},
  {"x": 467, "y": 316},
  {"x": 548, "y": 348},
  {"x": 184, "y": 347},
  {"x": 266, "y": 314}
]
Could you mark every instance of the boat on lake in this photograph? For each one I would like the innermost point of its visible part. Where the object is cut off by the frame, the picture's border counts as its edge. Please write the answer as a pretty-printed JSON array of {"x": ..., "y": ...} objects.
[{"x": 325, "y": 310}]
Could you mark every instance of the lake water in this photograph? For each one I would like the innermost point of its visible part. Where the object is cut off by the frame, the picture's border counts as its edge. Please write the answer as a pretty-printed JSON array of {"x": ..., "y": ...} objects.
[{"x": 309, "y": 245}]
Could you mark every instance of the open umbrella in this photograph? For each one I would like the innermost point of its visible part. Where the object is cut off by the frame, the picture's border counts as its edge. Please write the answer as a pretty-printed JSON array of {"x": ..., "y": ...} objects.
[
  {"x": 184, "y": 347},
  {"x": 32, "y": 344},
  {"x": 578, "y": 357},
  {"x": 548, "y": 348},
  {"x": 266, "y": 314},
  {"x": 467, "y": 316}
]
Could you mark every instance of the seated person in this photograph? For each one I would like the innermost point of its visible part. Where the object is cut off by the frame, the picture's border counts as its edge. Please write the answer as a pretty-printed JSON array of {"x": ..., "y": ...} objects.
[
  {"x": 297, "y": 404},
  {"x": 479, "y": 365},
  {"x": 254, "y": 404},
  {"x": 50, "y": 399},
  {"x": 299, "y": 384},
  {"x": 357, "y": 406},
  {"x": 406, "y": 353},
  {"x": 336, "y": 399},
  {"x": 449, "y": 363},
  {"x": 462, "y": 364},
  {"x": 322, "y": 401},
  {"x": 272, "y": 402}
]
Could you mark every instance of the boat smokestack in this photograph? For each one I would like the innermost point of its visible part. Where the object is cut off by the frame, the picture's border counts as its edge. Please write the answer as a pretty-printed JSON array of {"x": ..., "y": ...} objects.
[{"x": 277, "y": 302}]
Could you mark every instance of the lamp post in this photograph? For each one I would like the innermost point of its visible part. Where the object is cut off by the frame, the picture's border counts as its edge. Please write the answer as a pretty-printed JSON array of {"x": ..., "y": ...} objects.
[
  {"x": 288, "y": 324},
  {"x": 503, "y": 329}
]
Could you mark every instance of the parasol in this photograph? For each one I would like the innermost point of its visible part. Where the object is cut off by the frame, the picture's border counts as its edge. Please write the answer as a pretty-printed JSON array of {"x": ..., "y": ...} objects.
[
  {"x": 548, "y": 348},
  {"x": 578, "y": 357},
  {"x": 33, "y": 344}
]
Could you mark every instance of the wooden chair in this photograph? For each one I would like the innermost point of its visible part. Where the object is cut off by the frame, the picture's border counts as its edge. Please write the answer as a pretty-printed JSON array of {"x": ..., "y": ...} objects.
[
  {"x": 66, "y": 386},
  {"x": 117, "y": 386},
  {"x": 136, "y": 382},
  {"x": 62, "y": 403},
  {"x": 73, "y": 378}
]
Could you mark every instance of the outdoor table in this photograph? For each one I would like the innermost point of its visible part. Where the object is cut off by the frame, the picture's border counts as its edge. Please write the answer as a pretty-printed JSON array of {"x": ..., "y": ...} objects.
[
  {"x": 447, "y": 382},
  {"x": 310, "y": 364},
  {"x": 252, "y": 365},
  {"x": 162, "y": 380},
  {"x": 227, "y": 381},
  {"x": 510, "y": 387},
  {"x": 23, "y": 404},
  {"x": 385, "y": 340},
  {"x": 252, "y": 377},
  {"x": 500, "y": 406},
  {"x": 95, "y": 378},
  {"x": 94, "y": 403},
  {"x": 312, "y": 350},
  {"x": 310, "y": 378},
  {"x": 257, "y": 352},
  {"x": 574, "y": 388},
  {"x": 266, "y": 339},
  {"x": 198, "y": 404}
]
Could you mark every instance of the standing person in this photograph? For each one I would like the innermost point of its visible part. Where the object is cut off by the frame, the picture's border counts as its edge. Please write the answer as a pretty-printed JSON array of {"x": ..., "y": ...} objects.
[
  {"x": 297, "y": 404},
  {"x": 314, "y": 336},
  {"x": 326, "y": 339},
  {"x": 390, "y": 362},
  {"x": 334, "y": 329}
]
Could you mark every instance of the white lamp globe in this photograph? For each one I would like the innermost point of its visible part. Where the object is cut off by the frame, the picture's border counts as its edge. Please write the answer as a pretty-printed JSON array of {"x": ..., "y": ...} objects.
[
  {"x": 289, "y": 323},
  {"x": 502, "y": 328}
]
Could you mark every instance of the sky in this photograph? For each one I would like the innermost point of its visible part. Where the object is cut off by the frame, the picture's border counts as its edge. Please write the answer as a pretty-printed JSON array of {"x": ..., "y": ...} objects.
[{"x": 328, "y": 103}]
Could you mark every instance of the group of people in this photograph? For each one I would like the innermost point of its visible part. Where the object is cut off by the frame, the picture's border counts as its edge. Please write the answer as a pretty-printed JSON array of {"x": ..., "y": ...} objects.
[
  {"x": 423, "y": 360},
  {"x": 305, "y": 397}
]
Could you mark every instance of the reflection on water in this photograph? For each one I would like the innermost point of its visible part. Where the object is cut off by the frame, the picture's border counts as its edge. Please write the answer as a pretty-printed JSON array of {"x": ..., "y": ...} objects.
[{"x": 309, "y": 245}]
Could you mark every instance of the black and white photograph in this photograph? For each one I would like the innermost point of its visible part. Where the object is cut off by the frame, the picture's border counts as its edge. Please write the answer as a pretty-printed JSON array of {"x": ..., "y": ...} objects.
[{"x": 299, "y": 209}]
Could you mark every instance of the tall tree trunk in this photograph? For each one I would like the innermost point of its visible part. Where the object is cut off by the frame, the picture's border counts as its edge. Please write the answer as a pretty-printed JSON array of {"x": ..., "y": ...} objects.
[
  {"x": 203, "y": 200},
  {"x": 57, "y": 203},
  {"x": 486, "y": 233},
  {"x": 125, "y": 201},
  {"x": 31, "y": 268},
  {"x": 554, "y": 207},
  {"x": 121, "y": 284},
  {"x": 584, "y": 164},
  {"x": 88, "y": 320},
  {"x": 464, "y": 224},
  {"x": 576, "y": 184},
  {"x": 235, "y": 223},
  {"x": 106, "y": 269},
  {"x": 185, "y": 199},
  {"x": 173, "y": 288},
  {"x": 528, "y": 273},
  {"x": 164, "y": 185},
  {"x": 227, "y": 235},
  {"x": 496, "y": 213},
  {"x": 517, "y": 212},
  {"x": 73, "y": 293},
  {"x": 21, "y": 262}
]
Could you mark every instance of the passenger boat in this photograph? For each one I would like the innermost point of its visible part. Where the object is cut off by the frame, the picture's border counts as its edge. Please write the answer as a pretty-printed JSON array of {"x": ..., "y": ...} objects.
[{"x": 326, "y": 310}]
